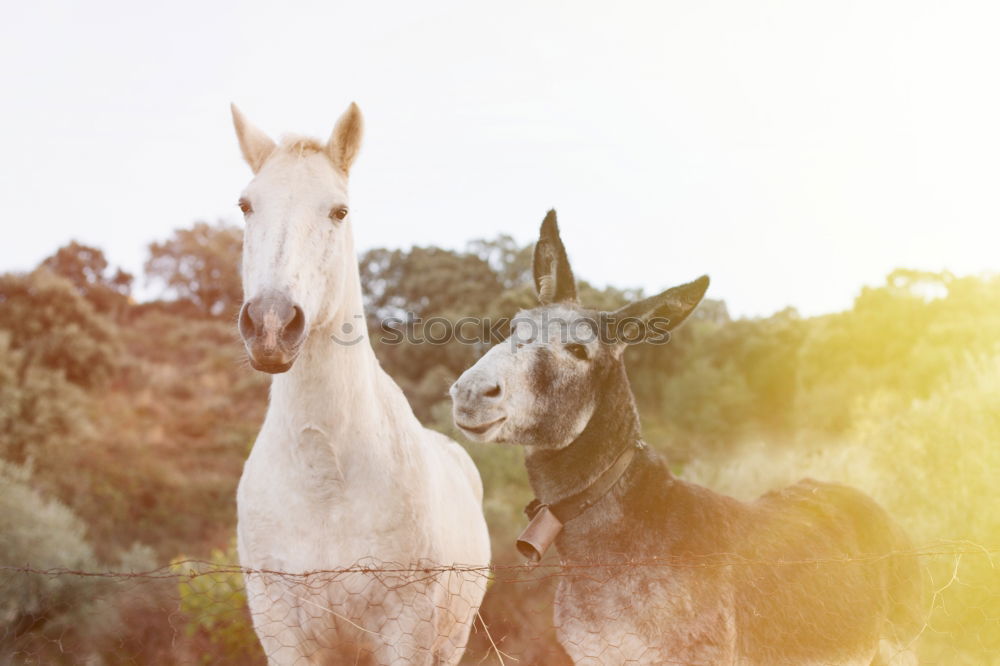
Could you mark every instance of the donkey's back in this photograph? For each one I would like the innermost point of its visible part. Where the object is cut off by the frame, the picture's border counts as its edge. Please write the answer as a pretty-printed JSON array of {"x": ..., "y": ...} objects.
[
  {"x": 828, "y": 574},
  {"x": 815, "y": 573}
]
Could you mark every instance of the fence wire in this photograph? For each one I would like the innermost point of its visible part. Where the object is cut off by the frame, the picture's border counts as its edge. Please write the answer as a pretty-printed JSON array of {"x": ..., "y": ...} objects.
[{"x": 198, "y": 612}]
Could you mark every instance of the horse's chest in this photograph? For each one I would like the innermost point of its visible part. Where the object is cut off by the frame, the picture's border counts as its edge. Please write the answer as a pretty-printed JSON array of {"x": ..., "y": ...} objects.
[
  {"x": 305, "y": 511},
  {"x": 339, "y": 617},
  {"x": 651, "y": 615}
]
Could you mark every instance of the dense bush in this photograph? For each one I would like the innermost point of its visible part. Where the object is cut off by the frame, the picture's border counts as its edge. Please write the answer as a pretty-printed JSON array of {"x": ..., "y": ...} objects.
[
  {"x": 213, "y": 597},
  {"x": 34, "y": 529},
  {"x": 64, "y": 618}
]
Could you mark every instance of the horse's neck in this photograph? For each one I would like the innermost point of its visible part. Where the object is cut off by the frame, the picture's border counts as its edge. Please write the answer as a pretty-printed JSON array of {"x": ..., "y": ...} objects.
[
  {"x": 328, "y": 385},
  {"x": 336, "y": 399}
]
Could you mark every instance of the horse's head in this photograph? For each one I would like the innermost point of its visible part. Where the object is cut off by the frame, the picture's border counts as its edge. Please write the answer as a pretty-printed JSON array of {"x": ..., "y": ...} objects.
[
  {"x": 543, "y": 384},
  {"x": 297, "y": 244}
]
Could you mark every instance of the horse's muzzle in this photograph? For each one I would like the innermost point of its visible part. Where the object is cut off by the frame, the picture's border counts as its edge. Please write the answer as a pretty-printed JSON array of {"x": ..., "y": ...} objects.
[{"x": 272, "y": 328}]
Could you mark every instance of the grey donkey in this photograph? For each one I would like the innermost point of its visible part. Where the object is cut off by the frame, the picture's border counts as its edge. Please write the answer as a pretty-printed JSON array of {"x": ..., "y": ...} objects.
[{"x": 659, "y": 570}]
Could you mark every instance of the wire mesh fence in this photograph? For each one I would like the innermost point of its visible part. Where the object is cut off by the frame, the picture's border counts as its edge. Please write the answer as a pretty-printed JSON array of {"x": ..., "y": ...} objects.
[{"x": 198, "y": 612}]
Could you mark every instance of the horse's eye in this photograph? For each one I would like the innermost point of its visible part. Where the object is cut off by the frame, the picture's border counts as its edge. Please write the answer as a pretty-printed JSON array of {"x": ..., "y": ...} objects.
[
  {"x": 245, "y": 206},
  {"x": 577, "y": 350},
  {"x": 338, "y": 212}
]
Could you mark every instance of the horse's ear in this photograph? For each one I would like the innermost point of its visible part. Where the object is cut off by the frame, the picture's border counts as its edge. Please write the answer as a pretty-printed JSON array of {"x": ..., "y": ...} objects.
[
  {"x": 553, "y": 275},
  {"x": 671, "y": 307},
  {"x": 345, "y": 142},
  {"x": 255, "y": 145}
]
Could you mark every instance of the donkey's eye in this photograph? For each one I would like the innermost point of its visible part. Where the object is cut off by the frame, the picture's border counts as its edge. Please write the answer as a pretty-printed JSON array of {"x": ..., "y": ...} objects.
[
  {"x": 577, "y": 350},
  {"x": 245, "y": 206},
  {"x": 338, "y": 212}
]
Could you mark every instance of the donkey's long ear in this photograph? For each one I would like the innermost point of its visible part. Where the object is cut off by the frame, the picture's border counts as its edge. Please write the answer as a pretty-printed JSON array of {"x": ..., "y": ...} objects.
[
  {"x": 553, "y": 276},
  {"x": 255, "y": 145},
  {"x": 345, "y": 142},
  {"x": 671, "y": 307}
]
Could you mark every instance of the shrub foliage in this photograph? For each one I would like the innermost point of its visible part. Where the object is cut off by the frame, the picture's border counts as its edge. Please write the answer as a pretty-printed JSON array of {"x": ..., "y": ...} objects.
[{"x": 124, "y": 426}]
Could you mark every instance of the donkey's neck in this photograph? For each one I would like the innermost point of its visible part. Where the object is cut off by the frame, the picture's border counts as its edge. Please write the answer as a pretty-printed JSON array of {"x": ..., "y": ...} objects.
[
  {"x": 619, "y": 524},
  {"x": 558, "y": 474}
]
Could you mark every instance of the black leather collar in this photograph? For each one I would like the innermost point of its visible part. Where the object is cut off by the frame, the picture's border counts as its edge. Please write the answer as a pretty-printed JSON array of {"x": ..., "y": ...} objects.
[
  {"x": 570, "y": 507},
  {"x": 542, "y": 531}
]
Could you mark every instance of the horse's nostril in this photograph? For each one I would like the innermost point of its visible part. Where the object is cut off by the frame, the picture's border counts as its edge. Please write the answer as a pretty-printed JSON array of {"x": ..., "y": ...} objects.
[
  {"x": 272, "y": 319},
  {"x": 245, "y": 323},
  {"x": 295, "y": 327},
  {"x": 493, "y": 392}
]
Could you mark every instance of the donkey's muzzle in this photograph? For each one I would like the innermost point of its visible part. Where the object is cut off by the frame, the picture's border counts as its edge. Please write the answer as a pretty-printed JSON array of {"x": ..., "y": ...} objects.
[{"x": 272, "y": 327}]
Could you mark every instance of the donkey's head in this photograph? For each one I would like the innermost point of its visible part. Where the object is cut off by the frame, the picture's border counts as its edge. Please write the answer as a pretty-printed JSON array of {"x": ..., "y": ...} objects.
[
  {"x": 297, "y": 248},
  {"x": 543, "y": 384}
]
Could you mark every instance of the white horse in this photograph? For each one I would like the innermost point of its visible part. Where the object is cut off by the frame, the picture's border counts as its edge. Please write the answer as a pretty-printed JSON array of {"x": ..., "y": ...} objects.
[{"x": 342, "y": 475}]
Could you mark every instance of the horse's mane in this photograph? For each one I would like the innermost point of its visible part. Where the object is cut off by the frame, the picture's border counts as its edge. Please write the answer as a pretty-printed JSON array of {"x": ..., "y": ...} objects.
[{"x": 301, "y": 145}]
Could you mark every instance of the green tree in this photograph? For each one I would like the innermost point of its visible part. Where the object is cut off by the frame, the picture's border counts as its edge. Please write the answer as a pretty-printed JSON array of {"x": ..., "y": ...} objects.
[
  {"x": 51, "y": 324},
  {"x": 511, "y": 262},
  {"x": 88, "y": 270},
  {"x": 200, "y": 266},
  {"x": 426, "y": 281}
]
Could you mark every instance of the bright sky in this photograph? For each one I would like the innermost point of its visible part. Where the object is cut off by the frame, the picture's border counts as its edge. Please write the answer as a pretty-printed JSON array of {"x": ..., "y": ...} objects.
[{"x": 792, "y": 150}]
